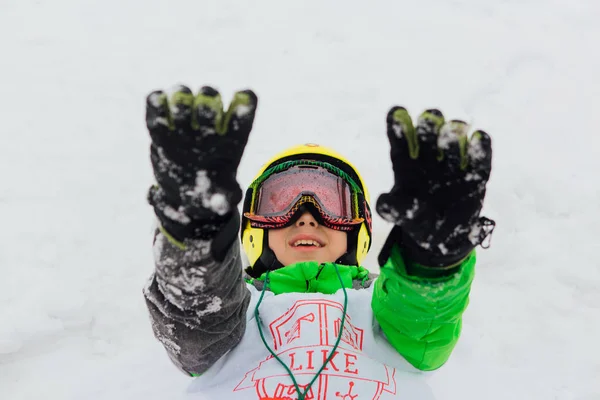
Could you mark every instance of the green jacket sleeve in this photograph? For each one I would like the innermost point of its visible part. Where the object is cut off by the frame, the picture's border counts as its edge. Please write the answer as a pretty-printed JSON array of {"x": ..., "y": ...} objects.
[{"x": 421, "y": 318}]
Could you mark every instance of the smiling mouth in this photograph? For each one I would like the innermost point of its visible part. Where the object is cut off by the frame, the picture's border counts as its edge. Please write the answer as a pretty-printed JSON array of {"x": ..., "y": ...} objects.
[{"x": 306, "y": 243}]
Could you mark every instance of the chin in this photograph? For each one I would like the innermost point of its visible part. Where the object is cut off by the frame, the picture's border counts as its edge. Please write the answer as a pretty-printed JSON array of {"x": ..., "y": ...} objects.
[{"x": 307, "y": 258}]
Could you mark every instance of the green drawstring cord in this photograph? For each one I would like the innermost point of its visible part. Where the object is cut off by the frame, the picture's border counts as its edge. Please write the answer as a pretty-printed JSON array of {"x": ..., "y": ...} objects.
[
  {"x": 366, "y": 278},
  {"x": 302, "y": 396}
]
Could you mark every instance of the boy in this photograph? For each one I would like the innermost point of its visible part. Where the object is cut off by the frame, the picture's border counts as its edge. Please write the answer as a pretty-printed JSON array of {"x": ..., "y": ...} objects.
[{"x": 306, "y": 320}]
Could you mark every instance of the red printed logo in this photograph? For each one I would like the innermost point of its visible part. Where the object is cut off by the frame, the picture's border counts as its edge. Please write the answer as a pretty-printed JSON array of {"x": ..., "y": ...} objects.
[{"x": 303, "y": 338}]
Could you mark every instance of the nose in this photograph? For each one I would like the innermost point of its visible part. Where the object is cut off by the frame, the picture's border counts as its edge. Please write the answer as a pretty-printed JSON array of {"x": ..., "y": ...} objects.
[{"x": 307, "y": 219}]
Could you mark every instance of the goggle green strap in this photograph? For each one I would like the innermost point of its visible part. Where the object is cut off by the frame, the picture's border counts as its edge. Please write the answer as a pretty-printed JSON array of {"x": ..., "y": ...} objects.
[{"x": 289, "y": 164}]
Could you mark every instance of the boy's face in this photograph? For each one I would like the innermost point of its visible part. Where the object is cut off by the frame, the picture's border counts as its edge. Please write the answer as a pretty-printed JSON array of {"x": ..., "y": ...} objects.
[{"x": 307, "y": 240}]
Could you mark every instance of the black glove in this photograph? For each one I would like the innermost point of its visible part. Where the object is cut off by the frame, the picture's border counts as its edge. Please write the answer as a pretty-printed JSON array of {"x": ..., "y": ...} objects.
[
  {"x": 195, "y": 152},
  {"x": 439, "y": 187}
]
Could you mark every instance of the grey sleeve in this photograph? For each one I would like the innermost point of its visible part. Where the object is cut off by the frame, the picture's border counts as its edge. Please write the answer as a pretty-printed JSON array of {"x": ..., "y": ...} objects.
[{"x": 197, "y": 305}]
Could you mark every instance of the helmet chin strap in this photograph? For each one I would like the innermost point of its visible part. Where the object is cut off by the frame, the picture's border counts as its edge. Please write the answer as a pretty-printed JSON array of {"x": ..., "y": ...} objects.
[
  {"x": 269, "y": 262},
  {"x": 349, "y": 257}
]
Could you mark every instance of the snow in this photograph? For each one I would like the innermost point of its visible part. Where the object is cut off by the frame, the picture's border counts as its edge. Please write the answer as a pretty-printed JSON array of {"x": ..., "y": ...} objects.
[
  {"x": 449, "y": 134},
  {"x": 203, "y": 183},
  {"x": 177, "y": 215},
  {"x": 218, "y": 203},
  {"x": 410, "y": 213},
  {"x": 475, "y": 150},
  {"x": 74, "y": 167},
  {"x": 242, "y": 110},
  {"x": 156, "y": 99},
  {"x": 397, "y": 128}
]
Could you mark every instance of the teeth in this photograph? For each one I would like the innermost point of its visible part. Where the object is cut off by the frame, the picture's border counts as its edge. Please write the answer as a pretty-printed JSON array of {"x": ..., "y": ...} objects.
[{"x": 305, "y": 242}]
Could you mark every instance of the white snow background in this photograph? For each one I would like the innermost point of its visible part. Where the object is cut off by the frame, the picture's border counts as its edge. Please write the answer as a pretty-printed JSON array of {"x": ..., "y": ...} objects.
[{"x": 75, "y": 243}]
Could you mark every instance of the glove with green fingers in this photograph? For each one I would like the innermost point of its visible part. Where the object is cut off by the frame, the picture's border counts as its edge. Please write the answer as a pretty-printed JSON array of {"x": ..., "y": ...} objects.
[
  {"x": 195, "y": 152},
  {"x": 440, "y": 181}
]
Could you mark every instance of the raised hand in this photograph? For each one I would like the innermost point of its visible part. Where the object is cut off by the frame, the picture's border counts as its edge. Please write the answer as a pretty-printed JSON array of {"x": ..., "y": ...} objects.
[
  {"x": 195, "y": 152},
  {"x": 440, "y": 181}
]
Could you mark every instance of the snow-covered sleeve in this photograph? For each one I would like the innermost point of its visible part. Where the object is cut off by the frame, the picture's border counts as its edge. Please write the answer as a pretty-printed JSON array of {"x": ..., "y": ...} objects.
[{"x": 197, "y": 304}]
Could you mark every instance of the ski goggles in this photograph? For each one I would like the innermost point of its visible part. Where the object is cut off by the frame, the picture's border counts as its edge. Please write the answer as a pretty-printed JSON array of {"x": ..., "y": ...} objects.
[{"x": 279, "y": 192}]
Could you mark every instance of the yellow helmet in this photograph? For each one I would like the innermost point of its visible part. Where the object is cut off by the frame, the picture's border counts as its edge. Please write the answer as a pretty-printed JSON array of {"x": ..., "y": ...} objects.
[{"x": 254, "y": 240}]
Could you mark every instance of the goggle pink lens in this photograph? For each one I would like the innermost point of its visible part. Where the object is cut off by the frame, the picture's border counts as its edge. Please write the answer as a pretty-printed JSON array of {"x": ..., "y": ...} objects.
[{"x": 279, "y": 192}]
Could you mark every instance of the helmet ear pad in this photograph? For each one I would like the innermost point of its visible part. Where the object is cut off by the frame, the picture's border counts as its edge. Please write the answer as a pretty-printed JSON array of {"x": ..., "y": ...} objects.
[
  {"x": 267, "y": 260},
  {"x": 349, "y": 257}
]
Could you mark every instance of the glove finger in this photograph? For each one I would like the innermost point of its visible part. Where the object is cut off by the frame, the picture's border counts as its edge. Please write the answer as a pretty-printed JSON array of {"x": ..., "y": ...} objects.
[
  {"x": 238, "y": 120},
  {"x": 236, "y": 124},
  {"x": 181, "y": 104},
  {"x": 401, "y": 134},
  {"x": 158, "y": 116},
  {"x": 208, "y": 108},
  {"x": 389, "y": 208},
  {"x": 452, "y": 145},
  {"x": 400, "y": 210},
  {"x": 480, "y": 155},
  {"x": 427, "y": 130}
]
